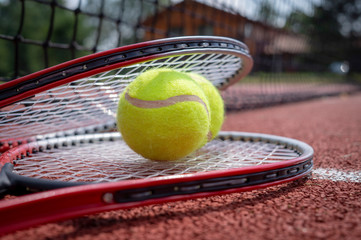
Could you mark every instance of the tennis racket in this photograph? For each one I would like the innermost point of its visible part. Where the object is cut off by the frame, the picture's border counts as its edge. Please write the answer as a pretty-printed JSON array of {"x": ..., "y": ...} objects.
[
  {"x": 84, "y": 92},
  {"x": 91, "y": 173}
]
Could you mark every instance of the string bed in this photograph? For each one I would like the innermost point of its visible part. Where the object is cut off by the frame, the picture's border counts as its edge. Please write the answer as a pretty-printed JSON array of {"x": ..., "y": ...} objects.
[
  {"x": 106, "y": 158},
  {"x": 93, "y": 100}
]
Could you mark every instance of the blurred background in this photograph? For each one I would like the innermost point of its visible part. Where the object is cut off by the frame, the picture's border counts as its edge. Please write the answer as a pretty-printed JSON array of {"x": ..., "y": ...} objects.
[{"x": 302, "y": 49}]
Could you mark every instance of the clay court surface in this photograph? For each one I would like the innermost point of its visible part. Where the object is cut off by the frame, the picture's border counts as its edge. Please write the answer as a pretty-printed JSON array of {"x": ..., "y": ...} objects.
[{"x": 324, "y": 206}]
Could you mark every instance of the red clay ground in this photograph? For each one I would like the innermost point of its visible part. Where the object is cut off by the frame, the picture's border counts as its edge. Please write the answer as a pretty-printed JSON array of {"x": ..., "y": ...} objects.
[{"x": 312, "y": 208}]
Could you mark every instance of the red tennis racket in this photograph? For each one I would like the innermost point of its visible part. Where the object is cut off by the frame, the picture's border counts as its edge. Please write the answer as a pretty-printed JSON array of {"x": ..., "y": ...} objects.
[
  {"x": 46, "y": 117},
  {"x": 84, "y": 92},
  {"x": 98, "y": 172}
]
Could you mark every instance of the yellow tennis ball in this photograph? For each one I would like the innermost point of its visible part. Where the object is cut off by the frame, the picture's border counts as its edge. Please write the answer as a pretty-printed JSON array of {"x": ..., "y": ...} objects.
[
  {"x": 215, "y": 101},
  {"x": 163, "y": 115}
]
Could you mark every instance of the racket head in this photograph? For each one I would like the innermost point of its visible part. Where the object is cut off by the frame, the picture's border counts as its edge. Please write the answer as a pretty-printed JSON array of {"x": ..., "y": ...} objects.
[
  {"x": 84, "y": 92},
  {"x": 105, "y": 157},
  {"x": 233, "y": 162}
]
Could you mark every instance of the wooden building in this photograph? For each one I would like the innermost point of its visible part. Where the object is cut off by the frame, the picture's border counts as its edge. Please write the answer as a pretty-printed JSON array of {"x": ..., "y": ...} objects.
[{"x": 190, "y": 17}]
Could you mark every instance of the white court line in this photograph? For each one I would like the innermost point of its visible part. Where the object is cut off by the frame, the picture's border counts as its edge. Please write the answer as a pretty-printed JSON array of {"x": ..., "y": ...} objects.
[{"x": 337, "y": 175}]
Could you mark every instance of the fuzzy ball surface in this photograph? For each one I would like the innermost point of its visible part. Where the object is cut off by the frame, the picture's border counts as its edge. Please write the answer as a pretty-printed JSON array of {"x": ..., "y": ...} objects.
[{"x": 164, "y": 114}]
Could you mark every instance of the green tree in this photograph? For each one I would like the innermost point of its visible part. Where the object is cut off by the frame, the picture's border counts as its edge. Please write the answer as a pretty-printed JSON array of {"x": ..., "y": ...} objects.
[
  {"x": 35, "y": 35},
  {"x": 267, "y": 13},
  {"x": 332, "y": 31},
  {"x": 123, "y": 22}
]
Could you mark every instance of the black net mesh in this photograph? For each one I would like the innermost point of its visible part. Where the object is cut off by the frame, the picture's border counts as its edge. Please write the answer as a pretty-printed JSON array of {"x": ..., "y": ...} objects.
[{"x": 302, "y": 49}]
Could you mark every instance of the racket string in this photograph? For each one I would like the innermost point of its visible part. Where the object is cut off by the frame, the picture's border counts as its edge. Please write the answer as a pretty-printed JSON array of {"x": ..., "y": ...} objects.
[
  {"x": 93, "y": 100},
  {"x": 114, "y": 161}
]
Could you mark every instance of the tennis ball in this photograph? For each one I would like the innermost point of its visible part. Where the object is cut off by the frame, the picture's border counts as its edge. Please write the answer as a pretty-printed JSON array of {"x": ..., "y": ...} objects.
[
  {"x": 163, "y": 115},
  {"x": 215, "y": 101}
]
